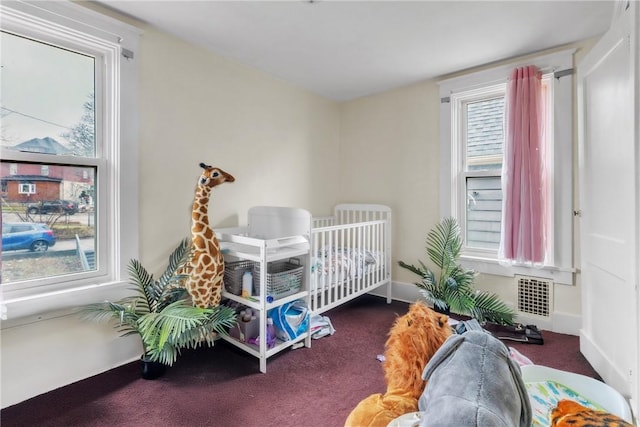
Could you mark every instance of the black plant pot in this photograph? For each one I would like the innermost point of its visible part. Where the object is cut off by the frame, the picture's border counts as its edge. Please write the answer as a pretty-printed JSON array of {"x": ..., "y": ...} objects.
[
  {"x": 445, "y": 310},
  {"x": 151, "y": 370}
]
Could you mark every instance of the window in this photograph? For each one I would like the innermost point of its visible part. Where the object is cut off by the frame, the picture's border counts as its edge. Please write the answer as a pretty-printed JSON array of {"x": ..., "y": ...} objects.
[
  {"x": 27, "y": 189},
  {"x": 482, "y": 135},
  {"x": 48, "y": 102},
  {"x": 472, "y": 137},
  {"x": 65, "y": 86},
  {"x": 481, "y": 138}
]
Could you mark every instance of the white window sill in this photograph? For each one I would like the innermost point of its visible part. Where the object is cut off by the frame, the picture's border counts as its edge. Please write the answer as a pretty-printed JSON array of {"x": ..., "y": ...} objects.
[
  {"x": 488, "y": 265},
  {"x": 35, "y": 308}
]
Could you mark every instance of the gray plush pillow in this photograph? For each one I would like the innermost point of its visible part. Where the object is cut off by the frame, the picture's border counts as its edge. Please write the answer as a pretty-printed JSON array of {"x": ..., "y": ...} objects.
[{"x": 472, "y": 381}]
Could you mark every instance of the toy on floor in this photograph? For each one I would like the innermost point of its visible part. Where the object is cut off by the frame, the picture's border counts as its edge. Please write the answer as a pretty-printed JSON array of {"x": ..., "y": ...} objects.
[
  {"x": 571, "y": 414},
  {"x": 413, "y": 339},
  {"x": 206, "y": 266}
]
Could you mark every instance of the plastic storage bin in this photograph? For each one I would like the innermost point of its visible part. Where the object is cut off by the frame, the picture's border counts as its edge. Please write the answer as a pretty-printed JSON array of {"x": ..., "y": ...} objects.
[{"x": 244, "y": 331}]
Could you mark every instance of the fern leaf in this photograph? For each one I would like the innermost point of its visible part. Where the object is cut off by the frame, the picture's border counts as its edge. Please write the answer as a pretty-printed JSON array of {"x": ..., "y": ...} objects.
[
  {"x": 177, "y": 258},
  {"x": 443, "y": 243},
  {"x": 489, "y": 307}
]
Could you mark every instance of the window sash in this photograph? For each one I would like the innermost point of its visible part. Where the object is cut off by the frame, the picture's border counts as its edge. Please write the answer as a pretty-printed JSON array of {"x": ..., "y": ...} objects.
[
  {"x": 459, "y": 102},
  {"x": 105, "y": 124}
]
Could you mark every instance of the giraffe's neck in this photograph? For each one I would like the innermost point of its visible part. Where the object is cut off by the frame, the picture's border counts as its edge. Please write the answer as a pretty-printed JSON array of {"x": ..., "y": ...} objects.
[{"x": 200, "y": 216}]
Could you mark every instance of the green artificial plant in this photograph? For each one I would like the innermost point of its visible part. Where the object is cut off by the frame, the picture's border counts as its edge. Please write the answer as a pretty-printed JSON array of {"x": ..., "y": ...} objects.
[
  {"x": 452, "y": 288},
  {"x": 161, "y": 311}
]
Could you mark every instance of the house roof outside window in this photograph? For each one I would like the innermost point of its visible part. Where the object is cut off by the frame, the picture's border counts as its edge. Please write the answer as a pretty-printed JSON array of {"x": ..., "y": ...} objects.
[{"x": 46, "y": 145}]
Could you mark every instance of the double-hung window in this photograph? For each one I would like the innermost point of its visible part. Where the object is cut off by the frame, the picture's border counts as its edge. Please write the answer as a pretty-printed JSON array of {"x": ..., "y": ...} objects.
[
  {"x": 68, "y": 155},
  {"x": 472, "y": 149}
]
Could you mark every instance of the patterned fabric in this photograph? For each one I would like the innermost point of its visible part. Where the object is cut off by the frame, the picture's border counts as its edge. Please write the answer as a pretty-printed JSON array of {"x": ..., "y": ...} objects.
[
  {"x": 339, "y": 264},
  {"x": 545, "y": 395},
  {"x": 571, "y": 414}
]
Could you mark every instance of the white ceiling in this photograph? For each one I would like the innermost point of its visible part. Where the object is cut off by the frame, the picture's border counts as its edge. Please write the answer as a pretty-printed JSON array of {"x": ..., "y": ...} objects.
[{"x": 348, "y": 49}]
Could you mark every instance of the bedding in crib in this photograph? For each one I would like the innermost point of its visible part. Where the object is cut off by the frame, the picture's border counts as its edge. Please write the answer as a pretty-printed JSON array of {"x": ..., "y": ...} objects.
[{"x": 337, "y": 264}]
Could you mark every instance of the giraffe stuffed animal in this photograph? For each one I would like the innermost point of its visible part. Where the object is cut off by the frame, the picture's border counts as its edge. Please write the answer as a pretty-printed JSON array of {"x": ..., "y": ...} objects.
[{"x": 206, "y": 265}]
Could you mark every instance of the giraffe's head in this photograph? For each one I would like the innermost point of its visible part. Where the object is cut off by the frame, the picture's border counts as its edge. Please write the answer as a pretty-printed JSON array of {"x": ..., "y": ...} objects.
[{"x": 212, "y": 176}]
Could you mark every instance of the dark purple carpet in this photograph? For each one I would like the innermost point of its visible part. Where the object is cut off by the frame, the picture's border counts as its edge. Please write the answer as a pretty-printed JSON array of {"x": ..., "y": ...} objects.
[{"x": 222, "y": 386}]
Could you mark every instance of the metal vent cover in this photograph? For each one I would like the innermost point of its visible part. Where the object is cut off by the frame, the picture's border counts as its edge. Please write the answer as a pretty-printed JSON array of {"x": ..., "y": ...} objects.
[{"x": 535, "y": 295}]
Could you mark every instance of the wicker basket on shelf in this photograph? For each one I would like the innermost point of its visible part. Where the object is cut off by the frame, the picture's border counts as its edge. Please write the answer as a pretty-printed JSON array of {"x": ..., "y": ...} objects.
[
  {"x": 233, "y": 272},
  {"x": 283, "y": 278}
]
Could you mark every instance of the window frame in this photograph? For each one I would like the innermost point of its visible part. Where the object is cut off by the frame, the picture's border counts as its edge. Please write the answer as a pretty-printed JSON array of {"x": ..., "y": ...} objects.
[
  {"x": 31, "y": 188},
  {"x": 73, "y": 26},
  {"x": 453, "y": 200},
  {"x": 459, "y": 133}
]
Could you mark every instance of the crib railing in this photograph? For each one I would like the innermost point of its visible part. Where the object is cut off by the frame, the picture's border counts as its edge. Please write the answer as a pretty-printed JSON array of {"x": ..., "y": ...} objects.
[
  {"x": 322, "y": 221},
  {"x": 353, "y": 213},
  {"x": 348, "y": 260}
]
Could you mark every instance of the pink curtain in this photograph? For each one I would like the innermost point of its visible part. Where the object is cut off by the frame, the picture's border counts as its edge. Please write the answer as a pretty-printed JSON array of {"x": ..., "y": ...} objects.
[{"x": 523, "y": 234}]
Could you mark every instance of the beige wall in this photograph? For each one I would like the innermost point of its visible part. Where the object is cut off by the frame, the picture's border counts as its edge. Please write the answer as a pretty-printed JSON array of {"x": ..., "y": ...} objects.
[
  {"x": 390, "y": 152},
  {"x": 279, "y": 142}
]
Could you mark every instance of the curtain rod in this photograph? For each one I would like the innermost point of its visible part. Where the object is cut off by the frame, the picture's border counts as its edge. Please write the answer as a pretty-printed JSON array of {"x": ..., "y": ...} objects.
[
  {"x": 562, "y": 73},
  {"x": 556, "y": 75}
]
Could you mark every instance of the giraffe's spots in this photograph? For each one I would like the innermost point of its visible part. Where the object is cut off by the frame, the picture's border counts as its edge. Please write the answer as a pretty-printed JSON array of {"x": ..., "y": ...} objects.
[
  {"x": 208, "y": 233},
  {"x": 214, "y": 250}
]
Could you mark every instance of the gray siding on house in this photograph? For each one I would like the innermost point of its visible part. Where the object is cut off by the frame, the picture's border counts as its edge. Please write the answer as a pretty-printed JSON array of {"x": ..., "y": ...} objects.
[
  {"x": 485, "y": 136},
  {"x": 485, "y": 123},
  {"x": 484, "y": 212}
]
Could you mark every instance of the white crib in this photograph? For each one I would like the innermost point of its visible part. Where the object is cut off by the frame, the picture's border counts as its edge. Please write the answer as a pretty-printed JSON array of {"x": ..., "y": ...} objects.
[{"x": 350, "y": 254}]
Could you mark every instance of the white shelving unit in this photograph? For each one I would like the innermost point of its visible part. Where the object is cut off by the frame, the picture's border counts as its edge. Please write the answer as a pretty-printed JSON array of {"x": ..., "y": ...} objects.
[{"x": 273, "y": 234}]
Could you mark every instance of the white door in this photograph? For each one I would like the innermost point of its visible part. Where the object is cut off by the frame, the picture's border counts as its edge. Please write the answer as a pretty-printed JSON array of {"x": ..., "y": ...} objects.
[{"x": 608, "y": 199}]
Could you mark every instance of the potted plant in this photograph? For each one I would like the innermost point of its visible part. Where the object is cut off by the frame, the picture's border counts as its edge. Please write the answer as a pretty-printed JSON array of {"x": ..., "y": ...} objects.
[
  {"x": 452, "y": 289},
  {"x": 162, "y": 314}
]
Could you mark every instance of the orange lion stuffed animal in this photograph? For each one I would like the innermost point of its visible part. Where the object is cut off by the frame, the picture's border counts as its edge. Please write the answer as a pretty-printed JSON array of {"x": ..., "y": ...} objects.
[{"x": 413, "y": 339}]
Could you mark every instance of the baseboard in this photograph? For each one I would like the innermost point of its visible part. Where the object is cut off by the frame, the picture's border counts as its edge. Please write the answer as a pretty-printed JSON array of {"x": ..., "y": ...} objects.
[
  {"x": 603, "y": 365},
  {"x": 405, "y": 292},
  {"x": 566, "y": 323},
  {"x": 563, "y": 323}
]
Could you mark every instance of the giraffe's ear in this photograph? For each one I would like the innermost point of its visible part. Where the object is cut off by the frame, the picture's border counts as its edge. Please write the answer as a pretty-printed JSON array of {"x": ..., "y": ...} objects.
[{"x": 203, "y": 166}]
